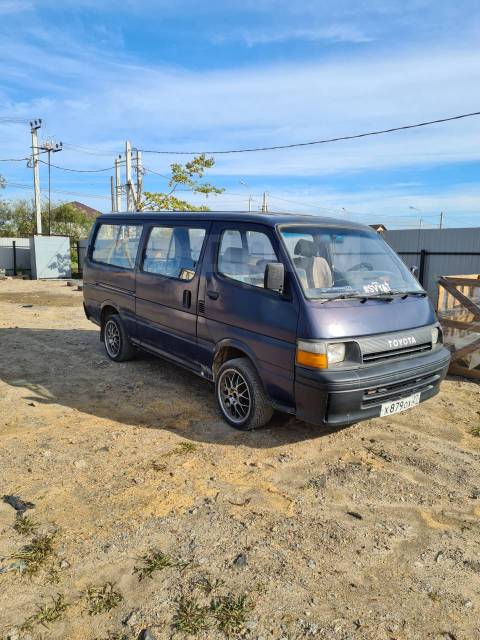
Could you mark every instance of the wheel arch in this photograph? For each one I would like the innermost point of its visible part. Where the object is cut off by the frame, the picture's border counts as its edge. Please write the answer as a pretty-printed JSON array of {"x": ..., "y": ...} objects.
[
  {"x": 108, "y": 308},
  {"x": 229, "y": 349}
]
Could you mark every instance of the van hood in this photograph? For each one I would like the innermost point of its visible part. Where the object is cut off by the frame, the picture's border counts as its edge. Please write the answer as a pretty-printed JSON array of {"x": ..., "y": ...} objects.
[{"x": 352, "y": 318}]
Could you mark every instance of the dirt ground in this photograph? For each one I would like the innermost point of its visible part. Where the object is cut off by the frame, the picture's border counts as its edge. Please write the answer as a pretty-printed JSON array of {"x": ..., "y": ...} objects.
[{"x": 368, "y": 532}]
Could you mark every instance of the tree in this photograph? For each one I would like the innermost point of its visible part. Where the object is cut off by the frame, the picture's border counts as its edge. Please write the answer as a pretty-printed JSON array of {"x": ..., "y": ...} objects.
[
  {"x": 17, "y": 218},
  {"x": 187, "y": 176}
]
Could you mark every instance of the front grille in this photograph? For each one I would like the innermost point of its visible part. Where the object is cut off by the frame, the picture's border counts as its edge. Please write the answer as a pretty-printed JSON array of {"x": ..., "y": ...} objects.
[
  {"x": 398, "y": 390},
  {"x": 391, "y": 354}
]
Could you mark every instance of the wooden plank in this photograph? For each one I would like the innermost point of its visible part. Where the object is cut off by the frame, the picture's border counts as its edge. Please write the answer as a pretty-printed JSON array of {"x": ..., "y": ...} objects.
[
  {"x": 457, "y": 370},
  {"x": 441, "y": 302},
  {"x": 466, "y": 302},
  {"x": 459, "y": 324},
  {"x": 463, "y": 282},
  {"x": 464, "y": 351}
]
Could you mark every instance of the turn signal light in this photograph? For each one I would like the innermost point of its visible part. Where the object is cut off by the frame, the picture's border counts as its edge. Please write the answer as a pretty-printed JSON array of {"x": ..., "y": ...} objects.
[
  {"x": 315, "y": 360},
  {"x": 319, "y": 355}
]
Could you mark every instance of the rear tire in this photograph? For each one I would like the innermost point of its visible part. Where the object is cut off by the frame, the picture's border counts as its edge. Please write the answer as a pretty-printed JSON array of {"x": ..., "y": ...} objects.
[
  {"x": 241, "y": 398},
  {"x": 117, "y": 345}
]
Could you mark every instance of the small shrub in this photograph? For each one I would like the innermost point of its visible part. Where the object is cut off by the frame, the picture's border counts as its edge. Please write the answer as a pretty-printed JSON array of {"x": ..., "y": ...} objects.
[
  {"x": 101, "y": 599},
  {"x": 25, "y": 526},
  {"x": 230, "y": 612},
  {"x": 185, "y": 447},
  {"x": 190, "y": 617},
  {"x": 475, "y": 431},
  {"x": 155, "y": 561},
  {"x": 46, "y": 615},
  {"x": 36, "y": 554}
]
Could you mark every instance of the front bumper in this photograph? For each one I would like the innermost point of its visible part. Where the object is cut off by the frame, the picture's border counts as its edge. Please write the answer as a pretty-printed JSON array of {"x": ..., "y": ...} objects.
[{"x": 342, "y": 397}]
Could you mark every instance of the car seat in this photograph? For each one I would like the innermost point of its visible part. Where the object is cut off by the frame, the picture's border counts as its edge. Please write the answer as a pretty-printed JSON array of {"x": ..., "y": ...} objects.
[{"x": 314, "y": 271}]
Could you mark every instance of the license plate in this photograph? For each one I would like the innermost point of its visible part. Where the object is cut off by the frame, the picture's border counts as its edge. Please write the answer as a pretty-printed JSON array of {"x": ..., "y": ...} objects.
[{"x": 399, "y": 405}]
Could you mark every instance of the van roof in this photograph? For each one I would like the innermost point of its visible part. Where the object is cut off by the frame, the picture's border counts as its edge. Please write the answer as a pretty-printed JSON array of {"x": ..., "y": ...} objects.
[{"x": 270, "y": 219}]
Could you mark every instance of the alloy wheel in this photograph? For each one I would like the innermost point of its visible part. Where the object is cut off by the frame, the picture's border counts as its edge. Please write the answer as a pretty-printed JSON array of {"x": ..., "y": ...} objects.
[
  {"x": 234, "y": 395},
  {"x": 112, "y": 338}
]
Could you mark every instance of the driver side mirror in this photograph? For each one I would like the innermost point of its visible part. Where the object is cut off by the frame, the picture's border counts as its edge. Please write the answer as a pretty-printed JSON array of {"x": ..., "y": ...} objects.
[
  {"x": 414, "y": 270},
  {"x": 274, "y": 278}
]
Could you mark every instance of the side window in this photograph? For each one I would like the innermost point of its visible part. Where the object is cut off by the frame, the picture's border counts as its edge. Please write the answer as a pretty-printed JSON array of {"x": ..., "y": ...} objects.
[
  {"x": 173, "y": 251},
  {"x": 244, "y": 254},
  {"x": 117, "y": 244},
  {"x": 196, "y": 238}
]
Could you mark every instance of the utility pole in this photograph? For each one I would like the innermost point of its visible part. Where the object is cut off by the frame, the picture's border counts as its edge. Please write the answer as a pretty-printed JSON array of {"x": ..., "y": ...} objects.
[
  {"x": 139, "y": 170},
  {"x": 250, "y": 199},
  {"x": 128, "y": 173},
  {"x": 131, "y": 195},
  {"x": 118, "y": 186},
  {"x": 440, "y": 226},
  {"x": 265, "y": 202},
  {"x": 34, "y": 126},
  {"x": 112, "y": 193},
  {"x": 50, "y": 147}
]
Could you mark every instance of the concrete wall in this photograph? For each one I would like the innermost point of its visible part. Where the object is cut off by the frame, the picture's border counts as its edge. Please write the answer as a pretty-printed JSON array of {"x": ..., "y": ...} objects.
[{"x": 455, "y": 242}]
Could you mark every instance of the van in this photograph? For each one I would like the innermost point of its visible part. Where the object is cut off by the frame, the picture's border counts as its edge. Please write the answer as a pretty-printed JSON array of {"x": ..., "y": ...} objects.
[{"x": 311, "y": 316}]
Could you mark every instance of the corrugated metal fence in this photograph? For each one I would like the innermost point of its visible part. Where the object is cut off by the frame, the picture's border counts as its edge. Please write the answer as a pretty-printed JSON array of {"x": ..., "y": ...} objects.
[
  {"x": 15, "y": 255},
  {"x": 437, "y": 252}
]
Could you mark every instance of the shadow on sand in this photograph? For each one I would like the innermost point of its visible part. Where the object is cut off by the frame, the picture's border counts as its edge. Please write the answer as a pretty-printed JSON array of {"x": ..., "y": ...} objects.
[{"x": 70, "y": 368}]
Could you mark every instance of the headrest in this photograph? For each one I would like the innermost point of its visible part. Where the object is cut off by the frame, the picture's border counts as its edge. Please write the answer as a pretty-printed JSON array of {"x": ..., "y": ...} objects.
[
  {"x": 234, "y": 254},
  {"x": 305, "y": 248}
]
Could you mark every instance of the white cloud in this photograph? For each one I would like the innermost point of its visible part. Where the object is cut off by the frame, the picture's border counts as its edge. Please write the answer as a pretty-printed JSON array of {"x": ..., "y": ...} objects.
[
  {"x": 332, "y": 33},
  {"x": 88, "y": 97}
]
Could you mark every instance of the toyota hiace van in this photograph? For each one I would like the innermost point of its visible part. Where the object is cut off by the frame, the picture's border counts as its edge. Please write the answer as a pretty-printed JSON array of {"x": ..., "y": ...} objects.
[{"x": 312, "y": 316}]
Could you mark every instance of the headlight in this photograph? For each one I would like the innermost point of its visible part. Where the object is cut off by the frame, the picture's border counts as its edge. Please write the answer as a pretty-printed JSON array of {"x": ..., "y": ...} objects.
[
  {"x": 319, "y": 355},
  {"x": 435, "y": 335},
  {"x": 336, "y": 352}
]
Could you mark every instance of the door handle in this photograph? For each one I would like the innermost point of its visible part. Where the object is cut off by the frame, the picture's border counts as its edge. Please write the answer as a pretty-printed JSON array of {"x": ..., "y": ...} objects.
[
  {"x": 187, "y": 299},
  {"x": 212, "y": 294}
]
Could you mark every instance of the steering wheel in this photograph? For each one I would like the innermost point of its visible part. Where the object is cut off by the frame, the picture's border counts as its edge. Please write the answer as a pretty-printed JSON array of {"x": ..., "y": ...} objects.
[{"x": 361, "y": 266}]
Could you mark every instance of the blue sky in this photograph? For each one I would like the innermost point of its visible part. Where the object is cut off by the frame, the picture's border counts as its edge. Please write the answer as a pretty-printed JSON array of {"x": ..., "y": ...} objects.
[{"x": 187, "y": 75}]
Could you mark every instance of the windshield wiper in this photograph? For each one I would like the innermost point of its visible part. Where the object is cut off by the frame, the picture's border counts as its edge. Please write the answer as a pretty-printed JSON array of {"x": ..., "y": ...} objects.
[
  {"x": 360, "y": 296},
  {"x": 388, "y": 297},
  {"x": 405, "y": 294}
]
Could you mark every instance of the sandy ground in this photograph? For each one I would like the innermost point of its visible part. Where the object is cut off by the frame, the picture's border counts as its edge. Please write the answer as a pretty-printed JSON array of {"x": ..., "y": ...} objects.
[{"x": 367, "y": 532}]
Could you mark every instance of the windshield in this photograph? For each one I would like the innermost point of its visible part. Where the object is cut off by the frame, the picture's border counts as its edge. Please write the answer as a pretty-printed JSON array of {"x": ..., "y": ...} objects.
[{"x": 331, "y": 262}]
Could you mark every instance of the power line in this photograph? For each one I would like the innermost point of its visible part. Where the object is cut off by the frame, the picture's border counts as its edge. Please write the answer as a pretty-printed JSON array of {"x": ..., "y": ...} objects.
[
  {"x": 9, "y": 119},
  {"x": 20, "y": 185},
  {"x": 324, "y": 141},
  {"x": 89, "y": 152},
  {"x": 78, "y": 170},
  {"x": 14, "y": 159},
  {"x": 156, "y": 173}
]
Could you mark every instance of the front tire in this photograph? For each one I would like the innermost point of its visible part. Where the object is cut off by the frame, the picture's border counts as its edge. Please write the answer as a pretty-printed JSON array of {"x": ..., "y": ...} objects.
[
  {"x": 241, "y": 398},
  {"x": 117, "y": 345}
]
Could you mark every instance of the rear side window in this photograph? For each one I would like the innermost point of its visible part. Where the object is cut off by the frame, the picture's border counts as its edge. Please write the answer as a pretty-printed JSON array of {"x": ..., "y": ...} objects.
[
  {"x": 243, "y": 255},
  {"x": 117, "y": 244},
  {"x": 173, "y": 251}
]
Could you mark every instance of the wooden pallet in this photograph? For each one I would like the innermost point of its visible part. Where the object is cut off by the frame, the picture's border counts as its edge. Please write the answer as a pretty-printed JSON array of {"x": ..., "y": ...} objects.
[{"x": 459, "y": 313}]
